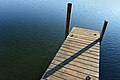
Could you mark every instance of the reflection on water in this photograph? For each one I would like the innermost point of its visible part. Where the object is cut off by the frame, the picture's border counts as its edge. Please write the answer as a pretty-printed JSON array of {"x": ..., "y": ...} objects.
[{"x": 32, "y": 31}]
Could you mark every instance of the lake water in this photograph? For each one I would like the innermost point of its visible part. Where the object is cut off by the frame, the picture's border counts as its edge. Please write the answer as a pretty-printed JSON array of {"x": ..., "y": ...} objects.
[{"x": 31, "y": 32}]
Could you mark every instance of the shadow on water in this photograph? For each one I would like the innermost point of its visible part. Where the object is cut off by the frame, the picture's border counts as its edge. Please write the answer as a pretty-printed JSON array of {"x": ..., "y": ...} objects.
[{"x": 71, "y": 58}]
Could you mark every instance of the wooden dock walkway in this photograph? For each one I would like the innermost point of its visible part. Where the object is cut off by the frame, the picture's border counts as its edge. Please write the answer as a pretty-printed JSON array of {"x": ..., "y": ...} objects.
[{"x": 78, "y": 57}]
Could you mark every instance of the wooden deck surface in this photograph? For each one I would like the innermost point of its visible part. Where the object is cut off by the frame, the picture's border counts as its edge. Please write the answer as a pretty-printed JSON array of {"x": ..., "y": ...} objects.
[{"x": 77, "y": 58}]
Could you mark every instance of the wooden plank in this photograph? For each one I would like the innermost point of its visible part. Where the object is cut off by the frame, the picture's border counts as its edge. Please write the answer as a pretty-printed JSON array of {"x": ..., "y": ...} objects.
[
  {"x": 79, "y": 48},
  {"x": 79, "y": 41},
  {"x": 85, "y": 32},
  {"x": 77, "y": 58},
  {"x": 78, "y": 61},
  {"x": 74, "y": 51},
  {"x": 66, "y": 75},
  {"x": 86, "y": 54},
  {"x": 77, "y": 64},
  {"x": 78, "y": 37},
  {"x": 77, "y": 69}
]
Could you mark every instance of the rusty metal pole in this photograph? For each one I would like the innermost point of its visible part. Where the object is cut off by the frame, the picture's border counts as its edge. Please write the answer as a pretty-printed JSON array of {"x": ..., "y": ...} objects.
[
  {"x": 103, "y": 30},
  {"x": 69, "y": 7}
]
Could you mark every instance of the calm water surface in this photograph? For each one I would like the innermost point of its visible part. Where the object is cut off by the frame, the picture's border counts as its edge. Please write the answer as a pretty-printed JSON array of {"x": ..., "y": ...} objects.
[{"x": 31, "y": 31}]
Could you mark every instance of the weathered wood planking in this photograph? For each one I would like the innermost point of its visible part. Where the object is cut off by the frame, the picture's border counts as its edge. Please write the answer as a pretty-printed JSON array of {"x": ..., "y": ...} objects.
[{"x": 77, "y": 58}]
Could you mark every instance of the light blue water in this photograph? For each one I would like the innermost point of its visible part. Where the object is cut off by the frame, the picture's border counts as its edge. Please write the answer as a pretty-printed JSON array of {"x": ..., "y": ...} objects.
[{"x": 31, "y": 31}]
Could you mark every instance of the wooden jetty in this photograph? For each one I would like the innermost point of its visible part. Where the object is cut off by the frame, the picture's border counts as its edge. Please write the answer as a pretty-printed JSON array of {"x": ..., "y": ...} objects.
[{"x": 79, "y": 56}]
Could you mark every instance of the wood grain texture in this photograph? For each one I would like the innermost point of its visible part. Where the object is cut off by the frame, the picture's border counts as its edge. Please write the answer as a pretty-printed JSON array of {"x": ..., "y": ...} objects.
[{"x": 77, "y": 58}]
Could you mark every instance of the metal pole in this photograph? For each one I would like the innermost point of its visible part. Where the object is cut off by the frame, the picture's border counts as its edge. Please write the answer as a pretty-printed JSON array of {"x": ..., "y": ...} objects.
[
  {"x": 103, "y": 30},
  {"x": 69, "y": 7}
]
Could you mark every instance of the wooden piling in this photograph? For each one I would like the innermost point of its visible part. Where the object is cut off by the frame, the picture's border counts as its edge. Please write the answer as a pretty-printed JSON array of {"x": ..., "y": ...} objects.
[
  {"x": 69, "y": 7},
  {"x": 103, "y": 30}
]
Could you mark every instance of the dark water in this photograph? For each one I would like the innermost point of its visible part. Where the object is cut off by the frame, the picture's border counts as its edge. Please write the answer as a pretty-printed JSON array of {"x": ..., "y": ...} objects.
[{"x": 31, "y": 31}]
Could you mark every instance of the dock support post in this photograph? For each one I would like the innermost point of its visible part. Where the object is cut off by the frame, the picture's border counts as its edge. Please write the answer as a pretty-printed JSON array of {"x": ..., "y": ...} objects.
[
  {"x": 103, "y": 30},
  {"x": 69, "y": 7}
]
